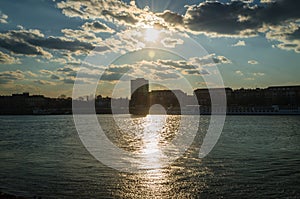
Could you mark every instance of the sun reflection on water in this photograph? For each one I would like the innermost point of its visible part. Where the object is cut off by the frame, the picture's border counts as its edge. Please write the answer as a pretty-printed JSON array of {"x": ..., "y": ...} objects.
[
  {"x": 151, "y": 151},
  {"x": 148, "y": 137}
]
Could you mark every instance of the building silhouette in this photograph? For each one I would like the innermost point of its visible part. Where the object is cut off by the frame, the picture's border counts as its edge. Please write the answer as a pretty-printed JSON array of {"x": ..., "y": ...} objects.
[
  {"x": 139, "y": 101},
  {"x": 271, "y": 100}
]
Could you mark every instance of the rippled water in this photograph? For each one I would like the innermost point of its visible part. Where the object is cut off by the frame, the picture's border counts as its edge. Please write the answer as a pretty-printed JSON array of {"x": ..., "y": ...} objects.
[{"x": 256, "y": 156}]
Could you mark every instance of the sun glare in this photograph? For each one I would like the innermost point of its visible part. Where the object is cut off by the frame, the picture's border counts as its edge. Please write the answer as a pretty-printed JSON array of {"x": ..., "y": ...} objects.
[{"x": 151, "y": 35}]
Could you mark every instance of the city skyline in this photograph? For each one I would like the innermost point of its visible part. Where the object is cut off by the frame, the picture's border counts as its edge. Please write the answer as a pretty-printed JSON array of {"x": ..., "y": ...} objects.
[
  {"x": 283, "y": 100},
  {"x": 46, "y": 43},
  {"x": 151, "y": 89}
]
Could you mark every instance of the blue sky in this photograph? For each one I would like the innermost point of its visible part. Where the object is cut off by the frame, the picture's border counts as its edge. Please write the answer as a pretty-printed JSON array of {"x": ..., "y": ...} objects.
[{"x": 44, "y": 43}]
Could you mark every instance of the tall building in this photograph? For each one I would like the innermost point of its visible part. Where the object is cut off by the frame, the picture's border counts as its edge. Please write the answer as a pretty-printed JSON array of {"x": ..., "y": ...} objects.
[
  {"x": 139, "y": 102},
  {"x": 140, "y": 86}
]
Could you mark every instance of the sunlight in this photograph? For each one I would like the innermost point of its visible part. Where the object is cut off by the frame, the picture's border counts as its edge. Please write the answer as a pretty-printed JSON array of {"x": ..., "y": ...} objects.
[
  {"x": 151, "y": 152},
  {"x": 151, "y": 35}
]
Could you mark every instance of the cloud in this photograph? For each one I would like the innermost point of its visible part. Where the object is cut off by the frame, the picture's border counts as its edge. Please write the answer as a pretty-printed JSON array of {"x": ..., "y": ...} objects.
[
  {"x": 241, "y": 19},
  {"x": 236, "y": 17},
  {"x": 209, "y": 60},
  {"x": 154, "y": 70},
  {"x": 63, "y": 44},
  {"x": 69, "y": 81},
  {"x": 66, "y": 74},
  {"x": 163, "y": 75},
  {"x": 111, "y": 76},
  {"x": 258, "y": 74},
  {"x": 288, "y": 35},
  {"x": 67, "y": 71},
  {"x": 124, "y": 17},
  {"x": 238, "y": 72},
  {"x": 8, "y": 77},
  {"x": 44, "y": 82},
  {"x": 97, "y": 27},
  {"x": 173, "y": 19},
  {"x": 113, "y": 10},
  {"x": 171, "y": 43},
  {"x": 58, "y": 60},
  {"x": 239, "y": 43},
  {"x": 128, "y": 40},
  {"x": 90, "y": 75},
  {"x": 7, "y": 89},
  {"x": 249, "y": 76},
  {"x": 221, "y": 19},
  {"x": 193, "y": 66},
  {"x": 33, "y": 42},
  {"x": 7, "y": 59},
  {"x": 120, "y": 69},
  {"x": 31, "y": 74},
  {"x": 81, "y": 35},
  {"x": 181, "y": 64},
  {"x": 55, "y": 77},
  {"x": 46, "y": 72},
  {"x": 195, "y": 72},
  {"x": 3, "y": 18},
  {"x": 253, "y": 62},
  {"x": 266, "y": 1},
  {"x": 17, "y": 41},
  {"x": 221, "y": 60}
]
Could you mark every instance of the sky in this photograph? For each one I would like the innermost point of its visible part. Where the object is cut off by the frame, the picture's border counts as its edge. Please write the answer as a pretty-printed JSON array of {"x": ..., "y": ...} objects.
[{"x": 48, "y": 46}]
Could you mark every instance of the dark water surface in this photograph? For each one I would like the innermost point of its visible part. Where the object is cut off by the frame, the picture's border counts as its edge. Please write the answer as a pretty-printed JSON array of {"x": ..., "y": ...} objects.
[{"x": 255, "y": 157}]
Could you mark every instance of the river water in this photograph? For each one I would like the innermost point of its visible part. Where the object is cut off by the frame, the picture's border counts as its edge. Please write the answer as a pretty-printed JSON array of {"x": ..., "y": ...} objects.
[{"x": 255, "y": 157}]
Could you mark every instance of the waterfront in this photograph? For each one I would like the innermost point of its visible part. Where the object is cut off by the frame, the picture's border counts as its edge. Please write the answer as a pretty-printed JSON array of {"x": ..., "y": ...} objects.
[{"x": 256, "y": 156}]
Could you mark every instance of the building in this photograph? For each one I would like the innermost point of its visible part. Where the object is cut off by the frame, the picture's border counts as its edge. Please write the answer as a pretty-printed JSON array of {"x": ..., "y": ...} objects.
[
  {"x": 165, "y": 98},
  {"x": 283, "y": 95},
  {"x": 204, "y": 95},
  {"x": 139, "y": 102}
]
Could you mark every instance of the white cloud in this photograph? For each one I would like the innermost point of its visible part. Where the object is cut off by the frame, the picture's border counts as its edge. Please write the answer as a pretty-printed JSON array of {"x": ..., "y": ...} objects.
[
  {"x": 267, "y": 1},
  {"x": 82, "y": 36},
  {"x": 31, "y": 74},
  {"x": 9, "y": 77},
  {"x": 288, "y": 35},
  {"x": 46, "y": 72},
  {"x": 253, "y": 62},
  {"x": 3, "y": 18},
  {"x": 258, "y": 74},
  {"x": 238, "y": 72},
  {"x": 110, "y": 10},
  {"x": 171, "y": 43},
  {"x": 7, "y": 59},
  {"x": 239, "y": 43},
  {"x": 209, "y": 60}
]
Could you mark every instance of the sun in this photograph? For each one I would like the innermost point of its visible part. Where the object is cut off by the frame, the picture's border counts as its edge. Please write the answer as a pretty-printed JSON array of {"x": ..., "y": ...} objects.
[{"x": 151, "y": 35}]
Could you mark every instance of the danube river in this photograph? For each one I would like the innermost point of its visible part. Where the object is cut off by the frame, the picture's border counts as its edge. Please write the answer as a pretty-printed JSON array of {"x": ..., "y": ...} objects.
[{"x": 255, "y": 157}]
